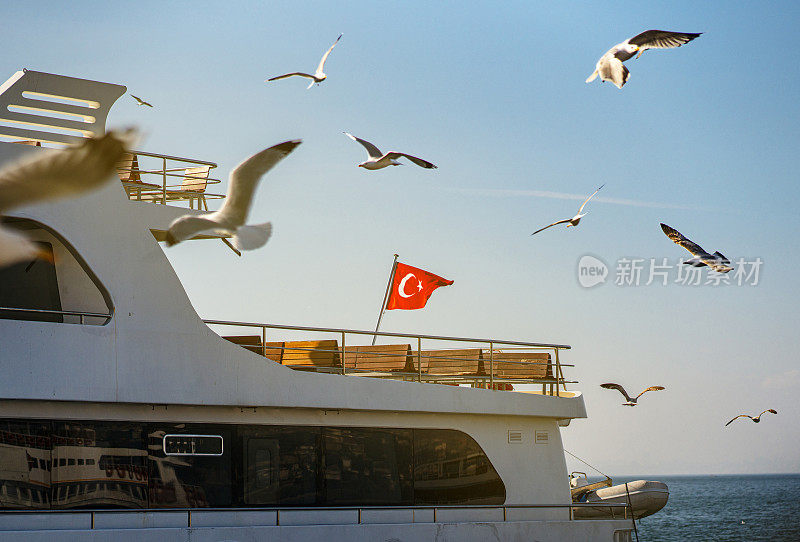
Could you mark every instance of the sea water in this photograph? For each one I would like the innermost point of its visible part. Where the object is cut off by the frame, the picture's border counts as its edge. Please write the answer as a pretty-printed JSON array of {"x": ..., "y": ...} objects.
[{"x": 724, "y": 507}]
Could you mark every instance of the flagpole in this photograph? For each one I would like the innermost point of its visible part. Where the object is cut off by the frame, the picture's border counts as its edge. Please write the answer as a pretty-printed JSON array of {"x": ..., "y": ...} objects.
[{"x": 385, "y": 297}]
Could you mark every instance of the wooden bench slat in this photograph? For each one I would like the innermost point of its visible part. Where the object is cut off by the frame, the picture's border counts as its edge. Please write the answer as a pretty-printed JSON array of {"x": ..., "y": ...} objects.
[
  {"x": 538, "y": 364},
  {"x": 449, "y": 362},
  {"x": 380, "y": 357},
  {"x": 323, "y": 353}
]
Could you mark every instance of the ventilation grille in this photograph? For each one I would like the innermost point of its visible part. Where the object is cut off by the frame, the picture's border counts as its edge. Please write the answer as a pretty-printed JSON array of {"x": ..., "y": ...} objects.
[
  {"x": 542, "y": 437},
  {"x": 514, "y": 436},
  {"x": 54, "y": 109}
]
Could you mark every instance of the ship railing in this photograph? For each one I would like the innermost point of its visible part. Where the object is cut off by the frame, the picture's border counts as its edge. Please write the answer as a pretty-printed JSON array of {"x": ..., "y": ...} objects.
[
  {"x": 167, "y": 180},
  {"x": 311, "y": 515},
  {"x": 495, "y": 364},
  {"x": 82, "y": 317}
]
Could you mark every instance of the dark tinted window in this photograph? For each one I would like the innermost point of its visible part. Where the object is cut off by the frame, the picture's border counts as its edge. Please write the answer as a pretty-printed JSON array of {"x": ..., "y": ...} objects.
[
  {"x": 367, "y": 466},
  {"x": 31, "y": 285},
  {"x": 450, "y": 468},
  {"x": 118, "y": 456},
  {"x": 189, "y": 481},
  {"x": 24, "y": 464},
  {"x": 281, "y": 465}
]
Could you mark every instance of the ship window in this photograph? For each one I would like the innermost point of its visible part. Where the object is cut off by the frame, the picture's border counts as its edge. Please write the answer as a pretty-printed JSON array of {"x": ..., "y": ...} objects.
[
  {"x": 31, "y": 285},
  {"x": 190, "y": 481},
  {"x": 61, "y": 281},
  {"x": 450, "y": 468},
  {"x": 281, "y": 465},
  {"x": 367, "y": 466}
]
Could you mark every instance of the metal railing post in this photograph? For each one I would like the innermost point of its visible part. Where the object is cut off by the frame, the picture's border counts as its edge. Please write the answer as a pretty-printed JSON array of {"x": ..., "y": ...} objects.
[
  {"x": 491, "y": 366},
  {"x": 164, "y": 186},
  {"x": 264, "y": 340},
  {"x": 419, "y": 358},
  {"x": 344, "y": 363}
]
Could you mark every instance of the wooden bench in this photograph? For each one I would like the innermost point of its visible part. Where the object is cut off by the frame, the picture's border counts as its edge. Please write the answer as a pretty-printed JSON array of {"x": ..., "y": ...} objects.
[
  {"x": 521, "y": 365},
  {"x": 449, "y": 362},
  {"x": 379, "y": 358},
  {"x": 193, "y": 188},
  {"x": 311, "y": 354},
  {"x": 129, "y": 173}
]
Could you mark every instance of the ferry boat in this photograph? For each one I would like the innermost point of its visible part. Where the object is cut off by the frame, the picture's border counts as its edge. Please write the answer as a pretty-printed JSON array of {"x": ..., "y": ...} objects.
[{"x": 126, "y": 416}]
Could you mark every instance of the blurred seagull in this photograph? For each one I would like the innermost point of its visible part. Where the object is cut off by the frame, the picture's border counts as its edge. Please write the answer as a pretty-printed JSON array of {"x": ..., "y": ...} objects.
[
  {"x": 379, "y": 160},
  {"x": 318, "y": 76},
  {"x": 756, "y": 419},
  {"x": 55, "y": 174},
  {"x": 715, "y": 261},
  {"x": 140, "y": 101},
  {"x": 631, "y": 401},
  {"x": 230, "y": 219},
  {"x": 575, "y": 220},
  {"x": 610, "y": 67}
]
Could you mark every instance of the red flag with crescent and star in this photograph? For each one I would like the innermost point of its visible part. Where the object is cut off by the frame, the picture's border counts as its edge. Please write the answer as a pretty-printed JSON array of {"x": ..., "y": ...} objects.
[{"x": 412, "y": 287}]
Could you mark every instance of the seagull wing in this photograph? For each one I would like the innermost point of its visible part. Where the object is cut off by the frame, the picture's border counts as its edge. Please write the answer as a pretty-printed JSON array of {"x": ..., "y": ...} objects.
[
  {"x": 678, "y": 238},
  {"x": 394, "y": 155},
  {"x": 553, "y": 224},
  {"x": 770, "y": 410},
  {"x": 661, "y": 39},
  {"x": 590, "y": 197},
  {"x": 298, "y": 74},
  {"x": 651, "y": 388},
  {"x": 325, "y": 57},
  {"x": 59, "y": 173},
  {"x": 737, "y": 417},
  {"x": 372, "y": 150},
  {"x": 612, "y": 386},
  {"x": 244, "y": 178}
]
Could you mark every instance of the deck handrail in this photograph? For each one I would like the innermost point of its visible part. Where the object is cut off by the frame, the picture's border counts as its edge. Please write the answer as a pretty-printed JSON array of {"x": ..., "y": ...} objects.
[
  {"x": 164, "y": 172},
  {"x": 489, "y": 375},
  {"x": 278, "y": 509},
  {"x": 81, "y": 314}
]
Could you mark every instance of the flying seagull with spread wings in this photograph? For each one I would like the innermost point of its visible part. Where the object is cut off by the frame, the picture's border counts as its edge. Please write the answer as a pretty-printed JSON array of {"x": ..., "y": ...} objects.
[
  {"x": 53, "y": 174},
  {"x": 715, "y": 261},
  {"x": 231, "y": 217},
  {"x": 140, "y": 101},
  {"x": 631, "y": 400},
  {"x": 379, "y": 160},
  {"x": 575, "y": 220},
  {"x": 610, "y": 67},
  {"x": 318, "y": 76},
  {"x": 756, "y": 419}
]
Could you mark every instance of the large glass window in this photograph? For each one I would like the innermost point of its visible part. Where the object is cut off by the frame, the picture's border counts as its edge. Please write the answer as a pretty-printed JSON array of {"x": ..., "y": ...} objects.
[
  {"x": 86, "y": 464},
  {"x": 189, "y": 481},
  {"x": 450, "y": 468},
  {"x": 87, "y": 453},
  {"x": 365, "y": 466},
  {"x": 25, "y": 464},
  {"x": 281, "y": 465}
]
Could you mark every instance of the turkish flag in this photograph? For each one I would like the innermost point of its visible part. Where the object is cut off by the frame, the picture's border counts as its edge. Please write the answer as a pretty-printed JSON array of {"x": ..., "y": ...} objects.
[{"x": 412, "y": 287}]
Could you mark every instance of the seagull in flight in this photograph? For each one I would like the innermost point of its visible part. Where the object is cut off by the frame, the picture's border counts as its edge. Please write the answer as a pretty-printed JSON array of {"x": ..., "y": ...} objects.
[
  {"x": 756, "y": 419},
  {"x": 318, "y": 76},
  {"x": 575, "y": 220},
  {"x": 54, "y": 174},
  {"x": 610, "y": 67},
  {"x": 379, "y": 160},
  {"x": 715, "y": 261},
  {"x": 631, "y": 400},
  {"x": 140, "y": 101},
  {"x": 231, "y": 217}
]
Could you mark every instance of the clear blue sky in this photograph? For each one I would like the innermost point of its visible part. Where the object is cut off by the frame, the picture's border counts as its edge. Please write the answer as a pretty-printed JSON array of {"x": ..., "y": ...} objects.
[{"x": 704, "y": 138}]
